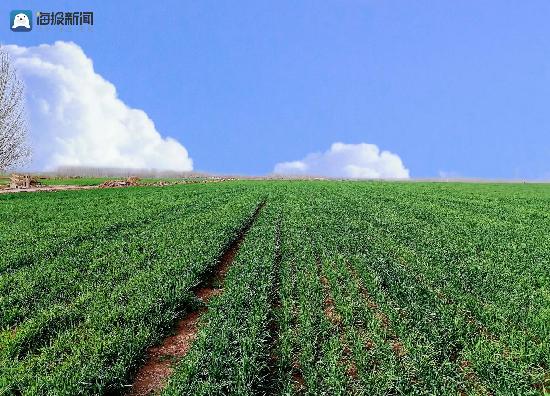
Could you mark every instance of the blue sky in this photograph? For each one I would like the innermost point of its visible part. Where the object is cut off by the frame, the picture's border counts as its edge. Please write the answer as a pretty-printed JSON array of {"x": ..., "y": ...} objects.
[{"x": 453, "y": 88}]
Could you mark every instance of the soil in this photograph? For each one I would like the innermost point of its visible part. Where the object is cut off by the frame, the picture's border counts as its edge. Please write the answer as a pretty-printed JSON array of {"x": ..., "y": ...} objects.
[
  {"x": 331, "y": 313},
  {"x": 398, "y": 349},
  {"x": 45, "y": 189},
  {"x": 107, "y": 184},
  {"x": 297, "y": 377},
  {"x": 396, "y": 345},
  {"x": 158, "y": 367},
  {"x": 271, "y": 372}
]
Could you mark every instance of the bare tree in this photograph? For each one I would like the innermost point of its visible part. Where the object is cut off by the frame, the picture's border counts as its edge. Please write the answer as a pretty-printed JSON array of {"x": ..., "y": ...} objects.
[{"x": 14, "y": 150}]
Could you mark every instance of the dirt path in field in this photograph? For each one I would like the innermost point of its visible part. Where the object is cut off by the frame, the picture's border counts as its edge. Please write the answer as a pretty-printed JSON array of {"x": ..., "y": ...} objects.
[
  {"x": 65, "y": 187},
  {"x": 161, "y": 358},
  {"x": 45, "y": 189}
]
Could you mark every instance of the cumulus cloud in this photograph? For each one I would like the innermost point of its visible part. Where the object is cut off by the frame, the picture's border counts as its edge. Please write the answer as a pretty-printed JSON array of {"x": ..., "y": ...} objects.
[
  {"x": 357, "y": 161},
  {"x": 76, "y": 118}
]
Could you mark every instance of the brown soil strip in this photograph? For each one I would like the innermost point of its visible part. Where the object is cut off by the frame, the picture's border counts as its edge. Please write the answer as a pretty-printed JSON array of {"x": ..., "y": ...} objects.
[
  {"x": 544, "y": 386},
  {"x": 335, "y": 318},
  {"x": 330, "y": 310},
  {"x": 296, "y": 374},
  {"x": 272, "y": 378},
  {"x": 472, "y": 379},
  {"x": 392, "y": 338},
  {"x": 298, "y": 378},
  {"x": 107, "y": 184},
  {"x": 160, "y": 359},
  {"x": 45, "y": 189}
]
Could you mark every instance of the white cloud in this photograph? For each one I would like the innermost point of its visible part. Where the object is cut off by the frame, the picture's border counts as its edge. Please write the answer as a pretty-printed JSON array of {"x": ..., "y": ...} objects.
[
  {"x": 357, "y": 161},
  {"x": 77, "y": 119}
]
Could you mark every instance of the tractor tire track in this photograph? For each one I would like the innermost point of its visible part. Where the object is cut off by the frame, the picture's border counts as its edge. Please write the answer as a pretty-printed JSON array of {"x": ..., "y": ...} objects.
[{"x": 160, "y": 359}]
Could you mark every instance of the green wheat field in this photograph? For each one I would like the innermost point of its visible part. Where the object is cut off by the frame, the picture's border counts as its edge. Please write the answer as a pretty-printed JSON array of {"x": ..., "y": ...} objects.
[{"x": 337, "y": 288}]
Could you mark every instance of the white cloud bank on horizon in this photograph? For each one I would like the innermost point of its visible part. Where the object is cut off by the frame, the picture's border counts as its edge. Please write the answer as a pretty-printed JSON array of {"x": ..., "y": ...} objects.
[
  {"x": 76, "y": 118},
  {"x": 356, "y": 161}
]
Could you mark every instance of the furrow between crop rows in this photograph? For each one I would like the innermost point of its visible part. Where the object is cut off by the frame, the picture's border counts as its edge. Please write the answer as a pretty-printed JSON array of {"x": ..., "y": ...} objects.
[
  {"x": 231, "y": 352},
  {"x": 272, "y": 382},
  {"x": 160, "y": 359}
]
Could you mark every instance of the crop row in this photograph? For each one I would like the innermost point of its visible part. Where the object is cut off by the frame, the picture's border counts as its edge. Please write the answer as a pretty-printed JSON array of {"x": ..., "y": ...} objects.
[{"x": 42, "y": 226}]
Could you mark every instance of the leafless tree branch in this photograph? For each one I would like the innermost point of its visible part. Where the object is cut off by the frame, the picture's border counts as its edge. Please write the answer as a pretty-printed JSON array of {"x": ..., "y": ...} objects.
[{"x": 14, "y": 150}]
